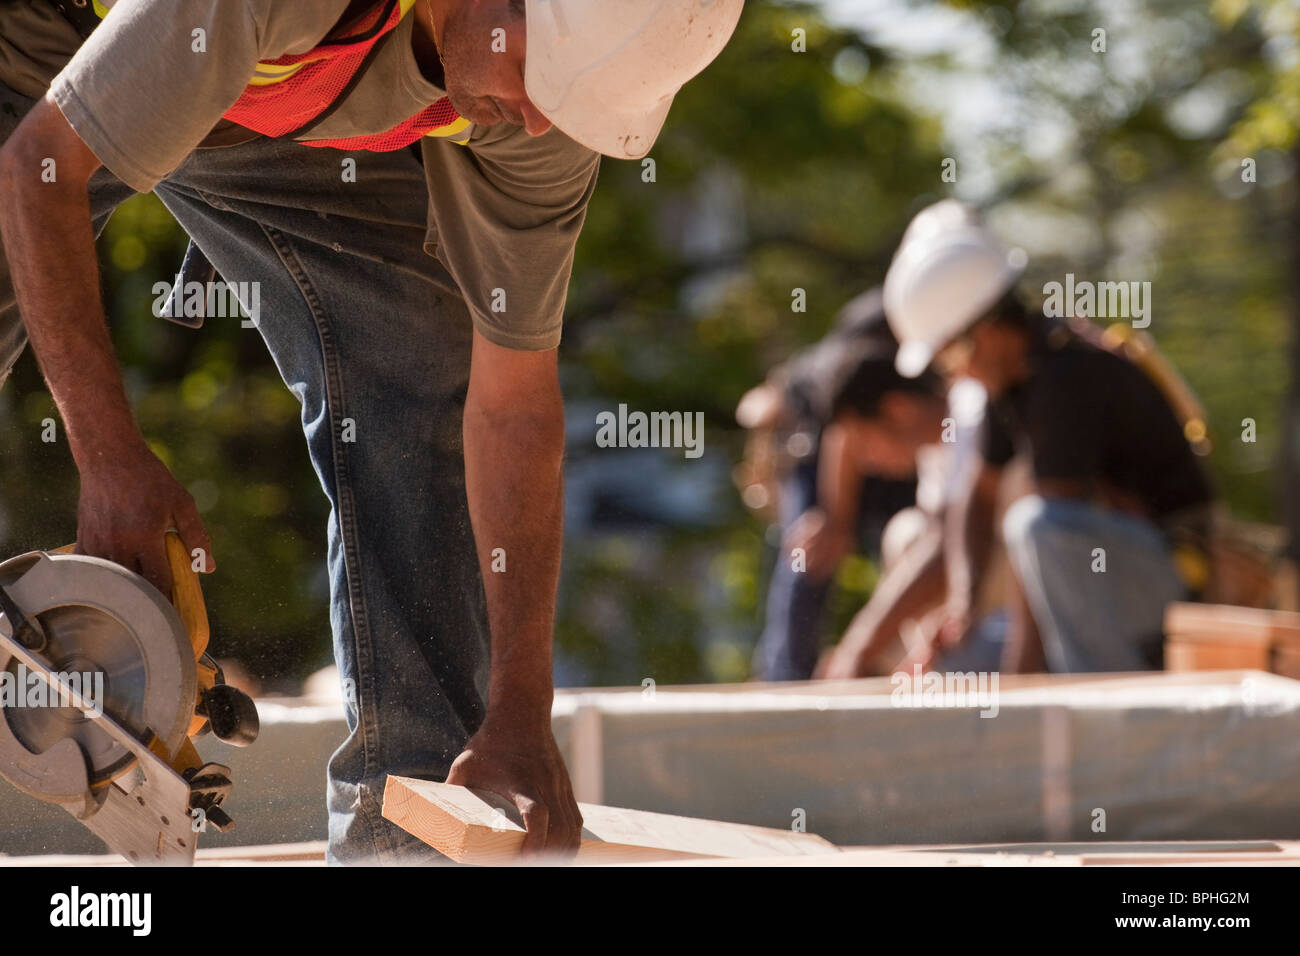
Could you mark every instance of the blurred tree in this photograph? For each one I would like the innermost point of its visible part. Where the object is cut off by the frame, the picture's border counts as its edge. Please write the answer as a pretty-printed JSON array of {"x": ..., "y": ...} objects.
[
  {"x": 1264, "y": 140},
  {"x": 781, "y": 173},
  {"x": 778, "y": 171}
]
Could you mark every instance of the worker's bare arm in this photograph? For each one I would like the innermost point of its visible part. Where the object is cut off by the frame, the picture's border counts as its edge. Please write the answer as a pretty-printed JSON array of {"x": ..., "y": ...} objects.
[
  {"x": 839, "y": 483},
  {"x": 911, "y": 589},
  {"x": 514, "y": 452},
  {"x": 826, "y": 531},
  {"x": 968, "y": 544},
  {"x": 128, "y": 498},
  {"x": 50, "y": 244}
]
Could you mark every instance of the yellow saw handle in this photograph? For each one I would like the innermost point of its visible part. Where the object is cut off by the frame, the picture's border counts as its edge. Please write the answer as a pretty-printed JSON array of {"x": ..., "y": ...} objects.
[
  {"x": 187, "y": 597},
  {"x": 187, "y": 594}
]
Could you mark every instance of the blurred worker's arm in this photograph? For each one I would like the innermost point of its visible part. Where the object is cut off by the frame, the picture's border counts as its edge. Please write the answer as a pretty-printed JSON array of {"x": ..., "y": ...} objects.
[
  {"x": 763, "y": 406},
  {"x": 1023, "y": 651},
  {"x": 912, "y": 587},
  {"x": 826, "y": 533},
  {"x": 968, "y": 545}
]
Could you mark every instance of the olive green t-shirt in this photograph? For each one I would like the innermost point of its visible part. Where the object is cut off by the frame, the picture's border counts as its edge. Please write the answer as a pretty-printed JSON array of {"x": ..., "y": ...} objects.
[{"x": 505, "y": 208}]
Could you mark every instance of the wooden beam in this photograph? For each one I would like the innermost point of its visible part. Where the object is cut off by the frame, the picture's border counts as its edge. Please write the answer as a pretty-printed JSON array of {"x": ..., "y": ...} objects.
[
  {"x": 1202, "y": 655},
  {"x": 1227, "y": 624},
  {"x": 475, "y": 826},
  {"x": 1041, "y": 854},
  {"x": 1222, "y": 637}
]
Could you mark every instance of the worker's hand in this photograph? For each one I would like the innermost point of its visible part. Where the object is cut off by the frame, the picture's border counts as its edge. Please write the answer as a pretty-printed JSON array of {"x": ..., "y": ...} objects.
[
  {"x": 127, "y": 505},
  {"x": 824, "y": 543},
  {"x": 949, "y": 627},
  {"x": 761, "y": 407},
  {"x": 523, "y": 764},
  {"x": 843, "y": 663},
  {"x": 924, "y": 643},
  {"x": 847, "y": 660}
]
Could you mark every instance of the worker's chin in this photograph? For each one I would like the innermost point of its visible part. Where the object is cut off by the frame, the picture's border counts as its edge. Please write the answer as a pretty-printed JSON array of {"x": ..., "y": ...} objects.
[{"x": 478, "y": 110}]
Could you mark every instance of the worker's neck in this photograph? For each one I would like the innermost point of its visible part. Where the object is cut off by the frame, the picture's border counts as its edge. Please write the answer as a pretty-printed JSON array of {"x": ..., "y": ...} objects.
[
  {"x": 1018, "y": 366},
  {"x": 430, "y": 22}
]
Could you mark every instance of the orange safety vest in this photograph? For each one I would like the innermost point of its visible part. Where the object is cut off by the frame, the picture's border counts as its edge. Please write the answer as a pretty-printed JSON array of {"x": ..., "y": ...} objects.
[{"x": 291, "y": 95}]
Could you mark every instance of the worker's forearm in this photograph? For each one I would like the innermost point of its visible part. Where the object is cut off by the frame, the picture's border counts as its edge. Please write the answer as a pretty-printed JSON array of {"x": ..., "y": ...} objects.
[
  {"x": 838, "y": 480},
  {"x": 969, "y": 544},
  {"x": 50, "y": 246},
  {"x": 513, "y": 471},
  {"x": 1023, "y": 650},
  {"x": 911, "y": 589}
]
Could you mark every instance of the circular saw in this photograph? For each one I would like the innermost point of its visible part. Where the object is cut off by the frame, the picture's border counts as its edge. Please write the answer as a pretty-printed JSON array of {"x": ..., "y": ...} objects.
[{"x": 104, "y": 683}]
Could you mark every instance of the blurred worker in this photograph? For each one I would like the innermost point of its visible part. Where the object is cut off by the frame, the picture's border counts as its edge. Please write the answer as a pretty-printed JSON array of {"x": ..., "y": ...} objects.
[
  {"x": 1119, "y": 518},
  {"x": 797, "y": 475},
  {"x": 895, "y": 424}
]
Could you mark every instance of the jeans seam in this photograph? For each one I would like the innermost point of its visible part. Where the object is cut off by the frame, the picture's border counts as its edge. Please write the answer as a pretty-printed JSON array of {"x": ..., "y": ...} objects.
[
  {"x": 216, "y": 202},
  {"x": 367, "y": 718}
]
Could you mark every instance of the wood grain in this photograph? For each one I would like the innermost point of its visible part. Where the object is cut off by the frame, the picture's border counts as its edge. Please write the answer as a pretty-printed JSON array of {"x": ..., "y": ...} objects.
[{"x": 472, "y": 826}]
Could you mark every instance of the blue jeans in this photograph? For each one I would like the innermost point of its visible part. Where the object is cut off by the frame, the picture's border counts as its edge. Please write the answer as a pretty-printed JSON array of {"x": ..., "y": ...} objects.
[
  {"x": 791, "y": 641},
  {"x": 364, "y": 326},
  {"x": 791, "y": 638},
  {"x": 1092, "y": 620}
]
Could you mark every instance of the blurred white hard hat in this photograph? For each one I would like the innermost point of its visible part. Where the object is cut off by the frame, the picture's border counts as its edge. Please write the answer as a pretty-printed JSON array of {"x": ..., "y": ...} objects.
[
  {"x": 948, "y": 271},
  {"x": 605, "y": 71}
]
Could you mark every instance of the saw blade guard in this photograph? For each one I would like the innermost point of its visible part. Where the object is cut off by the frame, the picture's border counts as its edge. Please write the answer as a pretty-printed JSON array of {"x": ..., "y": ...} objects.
[{"x": 129, "y": 650}]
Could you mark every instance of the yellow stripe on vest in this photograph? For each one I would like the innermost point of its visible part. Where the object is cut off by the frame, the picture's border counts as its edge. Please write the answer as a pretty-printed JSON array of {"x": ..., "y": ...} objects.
[
  {"x": 280, "y": 69},
  {"x": 268, "y": 74},
  {"x": 260, "y": 78},
  {"x": 452, "y": 130}
]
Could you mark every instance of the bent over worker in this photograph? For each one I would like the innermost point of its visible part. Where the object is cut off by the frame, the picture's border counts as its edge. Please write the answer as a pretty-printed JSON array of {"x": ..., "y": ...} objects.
[
  {"x": 423, "y": 293},
  {"x": 1119, "y": 519}
]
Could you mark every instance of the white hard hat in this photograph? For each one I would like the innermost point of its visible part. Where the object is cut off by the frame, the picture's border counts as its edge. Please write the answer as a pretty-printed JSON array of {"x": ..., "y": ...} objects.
[
  {"x": 948, "y": 271},
  {"x": 605, "y": 72}
]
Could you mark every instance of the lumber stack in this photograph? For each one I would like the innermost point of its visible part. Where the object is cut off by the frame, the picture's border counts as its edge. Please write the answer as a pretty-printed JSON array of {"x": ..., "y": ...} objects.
[{"x": 1203, "y": 637}]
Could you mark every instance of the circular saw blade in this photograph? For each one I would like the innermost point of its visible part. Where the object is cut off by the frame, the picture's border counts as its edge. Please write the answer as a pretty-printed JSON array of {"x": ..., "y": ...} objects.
[{"x": 115, "y": 629}]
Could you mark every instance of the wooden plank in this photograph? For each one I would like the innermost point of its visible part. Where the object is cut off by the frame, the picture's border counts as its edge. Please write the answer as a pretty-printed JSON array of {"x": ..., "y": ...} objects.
[
  {"x": 1041, "y": 854},
  {"x": 572, "y": 698},
  {"x": 1286, "y": 662},
  {"x": 1154, "y": 853},
  {"x": 474, "y": 826},
  {"x": 1181, "y": 655},
  {"x": 311, "y": 853},
  {"x": 1228, "y": 624}
]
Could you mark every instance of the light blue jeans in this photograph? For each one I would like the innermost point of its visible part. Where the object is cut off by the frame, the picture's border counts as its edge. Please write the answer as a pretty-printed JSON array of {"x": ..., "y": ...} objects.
[
  {"x": 362, "y": 325},
  {"x": 1089, "y": 619}
]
